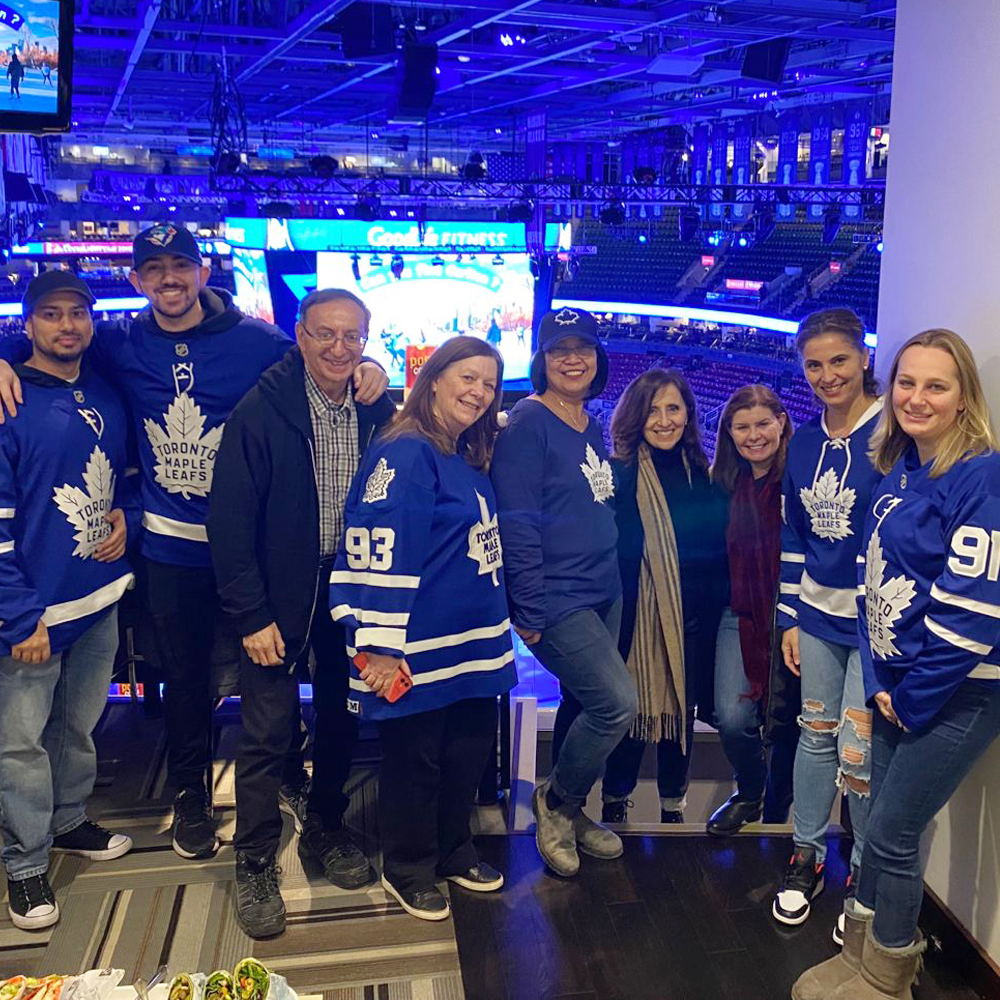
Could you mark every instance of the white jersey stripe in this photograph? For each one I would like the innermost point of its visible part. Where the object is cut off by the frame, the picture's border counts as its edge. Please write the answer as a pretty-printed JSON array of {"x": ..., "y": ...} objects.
[
  {"x": 160, "y": 525},
  {"x": 6, "y": 546},
  {"x": 837, "y": 601},
  {"x": 955, "y": 639},
  {"x": 793, "y": 557},
  {"x": 985, "y": 672},
  {"x": 980, "y": 607},
  {"x": 69, "y": 611},
  {"x": 391, "y": 638},
  {"x": 448, "y": 673},
  {"x": 359, "y": 579},
  {"x": 791, "y": 612},
  {"x": 791, "y": 588},
  {"x": 365, "y": 616},
  {"x": 7, "y": 512},
  {"x": 438, "y": 642}
]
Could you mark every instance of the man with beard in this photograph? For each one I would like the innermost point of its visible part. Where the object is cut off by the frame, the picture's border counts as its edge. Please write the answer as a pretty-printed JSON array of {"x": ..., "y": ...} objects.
[{"x": 183, "y": 364}]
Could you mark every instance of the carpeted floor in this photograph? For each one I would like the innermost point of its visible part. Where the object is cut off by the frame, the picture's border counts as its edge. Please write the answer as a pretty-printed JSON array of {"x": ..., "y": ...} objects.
[{"x": 151, "y": 906}]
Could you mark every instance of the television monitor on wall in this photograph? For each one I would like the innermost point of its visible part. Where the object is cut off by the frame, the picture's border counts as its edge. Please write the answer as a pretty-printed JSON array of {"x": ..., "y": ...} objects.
[{"x": 36, "y": 65}]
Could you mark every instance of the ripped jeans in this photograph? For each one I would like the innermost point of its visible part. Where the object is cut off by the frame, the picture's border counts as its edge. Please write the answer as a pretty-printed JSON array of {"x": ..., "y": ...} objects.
[{"x": 835, "y": 743}]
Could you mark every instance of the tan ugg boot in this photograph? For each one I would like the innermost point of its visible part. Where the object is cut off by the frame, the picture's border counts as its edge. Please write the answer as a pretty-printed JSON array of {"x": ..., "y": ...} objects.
[
  {"x": 821, "y": 980},
  {"x": 886, "y": 973}
]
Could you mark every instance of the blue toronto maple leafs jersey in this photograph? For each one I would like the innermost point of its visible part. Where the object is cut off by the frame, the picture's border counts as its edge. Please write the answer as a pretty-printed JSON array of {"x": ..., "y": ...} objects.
[
  {"x": 555, "y": 490},
  {"x": 62, "y": 470},
  {"x": 825, "y": 497},
  {"x": 929, "y": 584},
  {"x": 420, "y": 575}
]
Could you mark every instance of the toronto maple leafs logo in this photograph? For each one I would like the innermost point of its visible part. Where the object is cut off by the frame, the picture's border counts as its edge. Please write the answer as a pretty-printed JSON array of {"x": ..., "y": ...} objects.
[
  {"x": 567, "y": 317},
  {"x": 885, "y": 600},
  {"x": 599, "y": 476},
  {"x": 377, "y": 487},
  {"x": 185, "y": 452},
  {"x": 484, "y": 542},
  {"x": 87, "y": 508},
  {"x": 829, "y": 503}
]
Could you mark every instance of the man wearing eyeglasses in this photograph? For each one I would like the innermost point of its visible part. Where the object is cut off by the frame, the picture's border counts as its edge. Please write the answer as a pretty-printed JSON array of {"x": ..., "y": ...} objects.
[{"x": 284, "y": 468}]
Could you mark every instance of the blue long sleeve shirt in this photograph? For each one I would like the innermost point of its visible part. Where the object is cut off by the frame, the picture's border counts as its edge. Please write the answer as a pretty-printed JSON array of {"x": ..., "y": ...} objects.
[{"x": 555, "y": 494}]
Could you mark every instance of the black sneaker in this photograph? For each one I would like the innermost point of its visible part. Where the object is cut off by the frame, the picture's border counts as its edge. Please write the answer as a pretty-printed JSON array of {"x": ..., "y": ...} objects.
[
  {"x": 294, "y": 800},
  {"x": 733, "y": 815},
  {"x": 615, "y": 812},
  {"x": 671, "y": 816},
  {"x": 343, "y": 862},
  {"x": 425, "y": 904},
  {"x": 88, "y": 840},
  {"x": 31, "y": 903},
  {"x": 480, "y": 878},
  {"x": 802, "y": 883},
  {"x": 193, "y": 832},
  {"x": 260, "y": 909},
  {"x": 852, "y": 891}
]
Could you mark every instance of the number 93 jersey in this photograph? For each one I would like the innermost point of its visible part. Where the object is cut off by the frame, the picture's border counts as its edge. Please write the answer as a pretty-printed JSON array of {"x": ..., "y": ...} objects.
[
  {"x": 419, "y": 575},
  {"x": 929, "y": 584}
]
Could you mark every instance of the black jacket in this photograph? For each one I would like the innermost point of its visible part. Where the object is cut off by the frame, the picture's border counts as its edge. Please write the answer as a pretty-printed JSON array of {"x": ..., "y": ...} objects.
[{"x": 263, "y": 518}]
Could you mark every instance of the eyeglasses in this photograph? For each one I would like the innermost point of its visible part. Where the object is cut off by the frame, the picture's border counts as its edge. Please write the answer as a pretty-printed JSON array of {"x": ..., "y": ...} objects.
[
  {"x": 562, "y": 353},
  {"x": 349, "y": 340}
]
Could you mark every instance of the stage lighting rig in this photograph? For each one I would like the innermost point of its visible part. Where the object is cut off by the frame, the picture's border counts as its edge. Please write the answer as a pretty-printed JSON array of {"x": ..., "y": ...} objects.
[
  {"x": 227, "y": 120},
  {"x": 613, "y": 214},
  {"x": 521, "y": 211}
]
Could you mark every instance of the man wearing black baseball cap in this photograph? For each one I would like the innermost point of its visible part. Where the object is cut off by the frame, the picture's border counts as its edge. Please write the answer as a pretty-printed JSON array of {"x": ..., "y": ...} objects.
[
  {"x": 183, "y": 364},
  {"x": 64, "y": 520}
]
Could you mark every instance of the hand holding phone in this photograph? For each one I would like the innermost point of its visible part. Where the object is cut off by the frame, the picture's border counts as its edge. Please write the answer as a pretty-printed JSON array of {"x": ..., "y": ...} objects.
[{"x": 381, "y": 678}]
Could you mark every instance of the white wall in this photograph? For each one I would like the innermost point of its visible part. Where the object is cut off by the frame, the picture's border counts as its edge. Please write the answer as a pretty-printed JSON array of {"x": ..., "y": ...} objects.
[{"x": 941, "y": 267}]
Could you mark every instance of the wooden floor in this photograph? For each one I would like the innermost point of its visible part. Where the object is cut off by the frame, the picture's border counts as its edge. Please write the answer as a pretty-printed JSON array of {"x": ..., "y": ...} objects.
[{"x": 676, "y": 918}]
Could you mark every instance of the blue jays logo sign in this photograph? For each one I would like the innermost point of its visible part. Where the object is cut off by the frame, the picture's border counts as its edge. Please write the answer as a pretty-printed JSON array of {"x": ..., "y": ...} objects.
[{"x": 161, "y": 236}]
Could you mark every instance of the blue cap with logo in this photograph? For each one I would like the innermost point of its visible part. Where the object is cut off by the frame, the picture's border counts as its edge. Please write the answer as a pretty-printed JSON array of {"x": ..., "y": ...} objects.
[
  {"x": 164, "y": 238},
  {"x": 566, "y": 322}
]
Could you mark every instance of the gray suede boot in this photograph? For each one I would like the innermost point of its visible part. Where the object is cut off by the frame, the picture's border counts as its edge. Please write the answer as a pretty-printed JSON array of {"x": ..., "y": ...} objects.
[
  {"x": 821, "y": 980},
  {"x": 555, "y": 833},
  {"x": 595, "y": 840},
  {"x": 886, "y": 973}
]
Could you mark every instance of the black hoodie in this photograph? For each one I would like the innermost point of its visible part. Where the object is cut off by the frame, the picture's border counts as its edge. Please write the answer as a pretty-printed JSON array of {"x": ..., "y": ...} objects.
[{"x": 263, "y": 518}]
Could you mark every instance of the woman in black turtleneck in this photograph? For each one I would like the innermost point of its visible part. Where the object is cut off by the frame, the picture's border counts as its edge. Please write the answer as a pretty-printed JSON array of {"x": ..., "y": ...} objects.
[{"x": 671, "y": 544}]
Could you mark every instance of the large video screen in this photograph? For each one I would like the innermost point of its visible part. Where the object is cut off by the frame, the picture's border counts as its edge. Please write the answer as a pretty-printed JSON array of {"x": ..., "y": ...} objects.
[
  {"x": 436, "y": 298},
  {"x": 36, "y": 65},
  {"x": 253, "y": 291}
]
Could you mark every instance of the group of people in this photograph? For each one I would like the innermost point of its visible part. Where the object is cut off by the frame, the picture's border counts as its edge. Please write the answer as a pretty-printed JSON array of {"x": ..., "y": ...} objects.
[{"x": 856, "y": 557}]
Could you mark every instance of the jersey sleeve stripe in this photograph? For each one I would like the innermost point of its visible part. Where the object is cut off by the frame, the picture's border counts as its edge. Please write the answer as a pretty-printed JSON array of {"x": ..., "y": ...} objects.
[
  {"x": 362, "y": 579},
  {"x": 955, "y": 639},
  {"x": 447, "y": 673},
  {"x": 980, "y": 607},
  {"x": 791, "y": 588},
  {"x": 6, "y": 546},
  {"x": 390, "y": 638},
  {"x": 791, "y": 612},
  {"x": 366, "y": 616},
  {"x": 860, "y": 560},
  {"x": 6, "y": 512},
  {"x": 793, "y": 557},
  {"x": 160, "y": 525},
  {"x": 457, "y": 638}
]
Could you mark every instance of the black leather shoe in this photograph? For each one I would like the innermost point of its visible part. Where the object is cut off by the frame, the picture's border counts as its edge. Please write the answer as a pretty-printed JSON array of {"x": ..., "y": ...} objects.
[
  {"x": 671, "y": 816},
  {"x": 732, "y": 816},
  {"x": 615, "y": 812},
  {"x": 343, "y": 862}
]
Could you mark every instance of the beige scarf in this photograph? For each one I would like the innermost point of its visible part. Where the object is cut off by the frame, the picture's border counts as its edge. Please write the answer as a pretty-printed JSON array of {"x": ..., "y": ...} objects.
[{"x": 656, "y": 659}]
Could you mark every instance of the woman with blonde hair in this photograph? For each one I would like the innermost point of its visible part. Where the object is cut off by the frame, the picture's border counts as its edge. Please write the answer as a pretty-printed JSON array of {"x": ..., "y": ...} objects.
[
  {"x": 752, "y": 443},
  {"x": 929, "y": 616}
]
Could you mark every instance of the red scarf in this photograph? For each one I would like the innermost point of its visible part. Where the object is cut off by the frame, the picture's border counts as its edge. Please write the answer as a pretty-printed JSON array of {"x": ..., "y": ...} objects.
[{"x": 753, "y": 540}]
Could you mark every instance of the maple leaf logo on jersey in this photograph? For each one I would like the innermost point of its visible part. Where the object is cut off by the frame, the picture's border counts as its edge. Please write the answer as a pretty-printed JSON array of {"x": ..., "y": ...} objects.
[
  {"x": 377, "y": 487},
  {"x": 85, "y": 509},
  {"x": 484, "y": 542},
  {"x": 185, "y": 454},
  {"x": 598, "y": 473},
  {"x": 885, "y": 600},
  {"x": 829, "y": 507}
]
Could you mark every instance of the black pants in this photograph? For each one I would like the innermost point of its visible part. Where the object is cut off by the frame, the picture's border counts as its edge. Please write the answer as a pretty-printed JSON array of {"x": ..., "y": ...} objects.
[
  {"x": 183, "y": 604},
  {"x": 431, "y": 766},
  {"x": 270, "y": 713}
]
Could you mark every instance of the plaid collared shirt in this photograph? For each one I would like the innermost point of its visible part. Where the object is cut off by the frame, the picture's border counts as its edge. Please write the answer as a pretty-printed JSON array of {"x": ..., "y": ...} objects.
[{"x": 335, "y": 434}]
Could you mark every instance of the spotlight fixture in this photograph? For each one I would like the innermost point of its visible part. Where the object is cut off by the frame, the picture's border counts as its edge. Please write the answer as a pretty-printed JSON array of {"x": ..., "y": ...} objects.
[
  {"x": 356, "y": 266},
  {"x": 437, "y": 260},
  {"x": 396, "y": 265},
  {"x": 376, "y": 260},
  {"x": 323, "y": 166},
  {"x": 497, "y": 260},
  {"x": 613, "y": 214},
  {"x": 521, "y": 211},
  {"x": 367, "y": 209},
  {"x": 475, "y": 168}
]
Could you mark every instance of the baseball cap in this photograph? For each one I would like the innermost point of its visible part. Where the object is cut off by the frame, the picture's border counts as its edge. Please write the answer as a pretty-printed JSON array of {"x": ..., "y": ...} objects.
[
  {"x": 165, "y": 238},
  {"x": 54, "y": 281},
  {"x": 566, "y": 322}
]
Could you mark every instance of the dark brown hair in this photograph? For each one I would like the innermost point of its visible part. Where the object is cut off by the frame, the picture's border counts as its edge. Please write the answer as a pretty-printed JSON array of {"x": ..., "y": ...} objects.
[
  {"x": 632, "y": 412},
  {"x": 847, "y": 324},
  {"x": 729, "y": 463},
  {"x": 475, "y": 444}
]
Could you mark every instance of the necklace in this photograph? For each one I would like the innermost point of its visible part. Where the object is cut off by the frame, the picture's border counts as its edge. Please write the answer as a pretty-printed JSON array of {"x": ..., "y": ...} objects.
[{"x": 572, "y": 417}]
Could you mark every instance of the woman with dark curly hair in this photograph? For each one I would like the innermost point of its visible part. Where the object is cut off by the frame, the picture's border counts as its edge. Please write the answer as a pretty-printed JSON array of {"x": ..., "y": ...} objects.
[{"x": 672, "y": 557}]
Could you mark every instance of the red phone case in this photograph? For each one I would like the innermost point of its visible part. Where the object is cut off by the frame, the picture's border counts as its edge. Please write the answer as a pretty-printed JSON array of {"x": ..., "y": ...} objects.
[{"x": 401, "y": 681}]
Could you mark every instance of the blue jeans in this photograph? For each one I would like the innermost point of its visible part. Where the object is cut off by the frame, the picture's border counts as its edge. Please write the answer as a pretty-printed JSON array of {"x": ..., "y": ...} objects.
[
  {"x": 913, "y": 776},
  {"x": 834, "y": 748},
  {"x": 582, "y": 652},
  {"x": 48, "y": 713}
]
